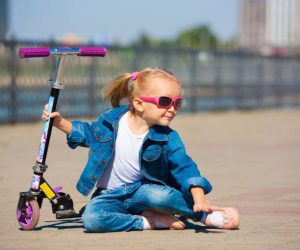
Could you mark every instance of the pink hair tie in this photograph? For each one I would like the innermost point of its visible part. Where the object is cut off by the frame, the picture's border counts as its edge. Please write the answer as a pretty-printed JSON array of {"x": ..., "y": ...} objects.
[{"x": 134, "y": 75}]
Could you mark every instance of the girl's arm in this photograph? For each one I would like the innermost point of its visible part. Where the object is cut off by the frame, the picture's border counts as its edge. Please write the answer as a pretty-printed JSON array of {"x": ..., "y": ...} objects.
[
  {"x": 62, "y": 124},
  {"x": 184, "y": 170}
]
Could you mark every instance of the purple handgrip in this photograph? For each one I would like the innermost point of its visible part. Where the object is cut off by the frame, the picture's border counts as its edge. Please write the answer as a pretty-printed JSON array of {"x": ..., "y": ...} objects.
[
  {"x": 34, "y": 52},
  {"x": 92, "y": 51}
]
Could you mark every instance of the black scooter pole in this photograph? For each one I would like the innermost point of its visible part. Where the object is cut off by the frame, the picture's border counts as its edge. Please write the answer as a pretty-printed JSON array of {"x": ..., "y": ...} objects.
[{"x": 40, "y": 166}]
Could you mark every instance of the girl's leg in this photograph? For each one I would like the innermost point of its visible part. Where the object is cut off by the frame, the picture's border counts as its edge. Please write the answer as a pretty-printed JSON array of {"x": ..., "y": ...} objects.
[
  {"x": 101, "y": 215},
  {"x": 165, "y": 199},
  {"x": 169, "y": 200},
  {"x": 108, "y": 212}
]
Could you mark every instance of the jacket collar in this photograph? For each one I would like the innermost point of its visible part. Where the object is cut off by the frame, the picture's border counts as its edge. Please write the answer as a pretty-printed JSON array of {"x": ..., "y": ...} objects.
[
  {"x": 112, "y": 116},
  {"x": 156, "y": 132}
]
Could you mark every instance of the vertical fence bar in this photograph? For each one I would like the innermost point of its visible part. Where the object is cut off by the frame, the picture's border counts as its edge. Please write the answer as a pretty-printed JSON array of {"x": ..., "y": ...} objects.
[
  {"x": 135, "y": 60},
  {"x": 91, "y": 87},
  {"x": 193, "y": 81},
  {"x": 13, "y": 82},
  {"x": 259, "y": 84},
  {"x": 278, "y": 87},
  {"x": 217, "y": 81},
  {"x": 239, "y": 83},
  {"x": 296, "y": 83},
  {"x": 166, "y": 58}
]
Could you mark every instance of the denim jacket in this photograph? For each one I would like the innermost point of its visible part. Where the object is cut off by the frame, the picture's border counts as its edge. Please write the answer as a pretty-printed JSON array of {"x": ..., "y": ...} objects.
[{"x": 163, "y": 158}]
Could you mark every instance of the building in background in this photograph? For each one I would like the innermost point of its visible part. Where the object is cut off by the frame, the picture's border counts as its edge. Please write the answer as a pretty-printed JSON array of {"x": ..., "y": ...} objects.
[
  {"x": 269, "y": 26},
  {"x": 3, "y": 18}
]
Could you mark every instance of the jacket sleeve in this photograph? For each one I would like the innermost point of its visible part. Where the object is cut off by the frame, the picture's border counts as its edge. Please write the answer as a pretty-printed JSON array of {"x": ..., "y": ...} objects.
[
  {"x": 80, "y": 135},
  {"x": 183, "y": 168}
]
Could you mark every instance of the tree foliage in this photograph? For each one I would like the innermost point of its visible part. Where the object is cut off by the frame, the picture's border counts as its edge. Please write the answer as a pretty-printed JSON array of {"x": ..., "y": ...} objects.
[
  {"x": 199, "y": 37},
  {"x": 144, "y": 40}
]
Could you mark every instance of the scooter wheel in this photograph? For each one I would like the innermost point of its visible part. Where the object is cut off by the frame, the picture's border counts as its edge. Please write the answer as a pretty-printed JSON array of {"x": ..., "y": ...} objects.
[{"x": 28, "y": 217}]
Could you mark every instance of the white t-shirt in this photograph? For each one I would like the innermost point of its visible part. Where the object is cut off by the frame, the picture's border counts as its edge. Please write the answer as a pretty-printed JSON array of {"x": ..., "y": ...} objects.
[{"x": 124, "y": 167}]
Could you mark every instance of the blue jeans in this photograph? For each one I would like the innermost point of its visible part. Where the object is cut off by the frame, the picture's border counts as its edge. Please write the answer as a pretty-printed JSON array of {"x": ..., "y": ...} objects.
[{"x": 120, "y": 209}]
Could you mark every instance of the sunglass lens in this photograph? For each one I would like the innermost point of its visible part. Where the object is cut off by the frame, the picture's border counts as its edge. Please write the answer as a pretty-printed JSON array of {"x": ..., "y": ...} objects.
[
  {"x": 178, "y": 103},
  {"x": 164, "y": 101}
]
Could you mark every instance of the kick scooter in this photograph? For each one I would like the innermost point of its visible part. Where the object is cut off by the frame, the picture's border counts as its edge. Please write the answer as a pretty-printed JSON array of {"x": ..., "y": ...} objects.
[{"x": 30, "y": 202}]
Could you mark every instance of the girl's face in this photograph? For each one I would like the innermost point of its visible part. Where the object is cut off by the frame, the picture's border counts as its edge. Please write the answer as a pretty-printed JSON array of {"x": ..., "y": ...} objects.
[{"x": 149, "y": 111}]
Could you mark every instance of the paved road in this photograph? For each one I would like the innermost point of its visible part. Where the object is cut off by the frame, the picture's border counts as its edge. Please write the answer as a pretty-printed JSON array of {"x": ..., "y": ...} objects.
[{"x": 252, "y": 159}]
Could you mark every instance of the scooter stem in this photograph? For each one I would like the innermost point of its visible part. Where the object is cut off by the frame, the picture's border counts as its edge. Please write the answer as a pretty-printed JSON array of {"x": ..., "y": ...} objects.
[{"x": 55, "y": 81}]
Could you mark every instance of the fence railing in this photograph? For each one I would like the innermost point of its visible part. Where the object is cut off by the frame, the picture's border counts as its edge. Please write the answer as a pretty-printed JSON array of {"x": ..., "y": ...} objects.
[{"x": 211, "y": 80}]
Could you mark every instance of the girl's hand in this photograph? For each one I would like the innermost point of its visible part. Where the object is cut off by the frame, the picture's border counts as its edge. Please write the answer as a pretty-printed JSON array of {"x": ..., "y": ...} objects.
[
  {"x": 204, "y": 206},
  {"x": 55, "y": 115},
  {"x": 59, "y": 122}
]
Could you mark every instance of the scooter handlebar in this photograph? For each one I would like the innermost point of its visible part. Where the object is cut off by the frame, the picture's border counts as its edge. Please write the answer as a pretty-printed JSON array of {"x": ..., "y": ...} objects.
[
  {"x": 45, "y": 52},
  {"x": 34, "y": 52},
  {"x": 92, "y": 51}
]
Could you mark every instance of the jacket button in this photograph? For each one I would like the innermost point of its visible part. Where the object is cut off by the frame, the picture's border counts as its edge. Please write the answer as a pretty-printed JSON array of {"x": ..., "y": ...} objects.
[{"x": 103, "y": 162}]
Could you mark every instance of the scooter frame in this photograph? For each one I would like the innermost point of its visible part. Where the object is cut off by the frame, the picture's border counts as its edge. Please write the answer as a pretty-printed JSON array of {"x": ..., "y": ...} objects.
[{"x": 30, "y": 202}]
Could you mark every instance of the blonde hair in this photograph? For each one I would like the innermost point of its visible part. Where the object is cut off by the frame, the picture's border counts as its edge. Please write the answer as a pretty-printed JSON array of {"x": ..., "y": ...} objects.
[{"x": 124, "y": 87}]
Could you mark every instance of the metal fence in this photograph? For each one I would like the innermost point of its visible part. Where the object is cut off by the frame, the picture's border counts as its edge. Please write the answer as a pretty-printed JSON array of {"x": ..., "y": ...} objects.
[{"x": 211, "y": 80}]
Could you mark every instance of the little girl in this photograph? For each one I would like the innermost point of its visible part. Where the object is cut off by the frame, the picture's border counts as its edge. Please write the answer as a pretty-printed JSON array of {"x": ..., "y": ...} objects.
[{"x": 144, "y": 177}]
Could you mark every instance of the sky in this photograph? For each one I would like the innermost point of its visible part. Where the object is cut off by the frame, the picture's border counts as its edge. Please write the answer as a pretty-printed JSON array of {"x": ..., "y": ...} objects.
[{"x": 123, "y": 21}]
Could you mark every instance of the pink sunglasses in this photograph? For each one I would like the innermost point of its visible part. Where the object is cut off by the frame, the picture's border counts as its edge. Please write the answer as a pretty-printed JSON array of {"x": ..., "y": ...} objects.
[{"x": 165, "y": 102}]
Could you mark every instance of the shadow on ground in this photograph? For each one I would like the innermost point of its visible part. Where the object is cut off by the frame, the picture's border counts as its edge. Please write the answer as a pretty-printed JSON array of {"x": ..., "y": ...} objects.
[{"x": 62, "y": 224}]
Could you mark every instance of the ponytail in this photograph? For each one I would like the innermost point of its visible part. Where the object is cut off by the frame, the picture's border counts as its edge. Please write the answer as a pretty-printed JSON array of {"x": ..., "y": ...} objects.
[{"x": 117, "y": 90}]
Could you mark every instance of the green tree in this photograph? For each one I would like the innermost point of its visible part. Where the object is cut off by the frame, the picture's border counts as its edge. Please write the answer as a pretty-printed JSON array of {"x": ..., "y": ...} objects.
[
  {"x": 197, "y": 37},
  {"x": 144, "y": 40}
]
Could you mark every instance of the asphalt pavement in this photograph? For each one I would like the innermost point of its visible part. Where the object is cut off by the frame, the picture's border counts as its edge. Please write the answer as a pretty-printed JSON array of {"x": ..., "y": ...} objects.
[{"x": 252, "y": 159}]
